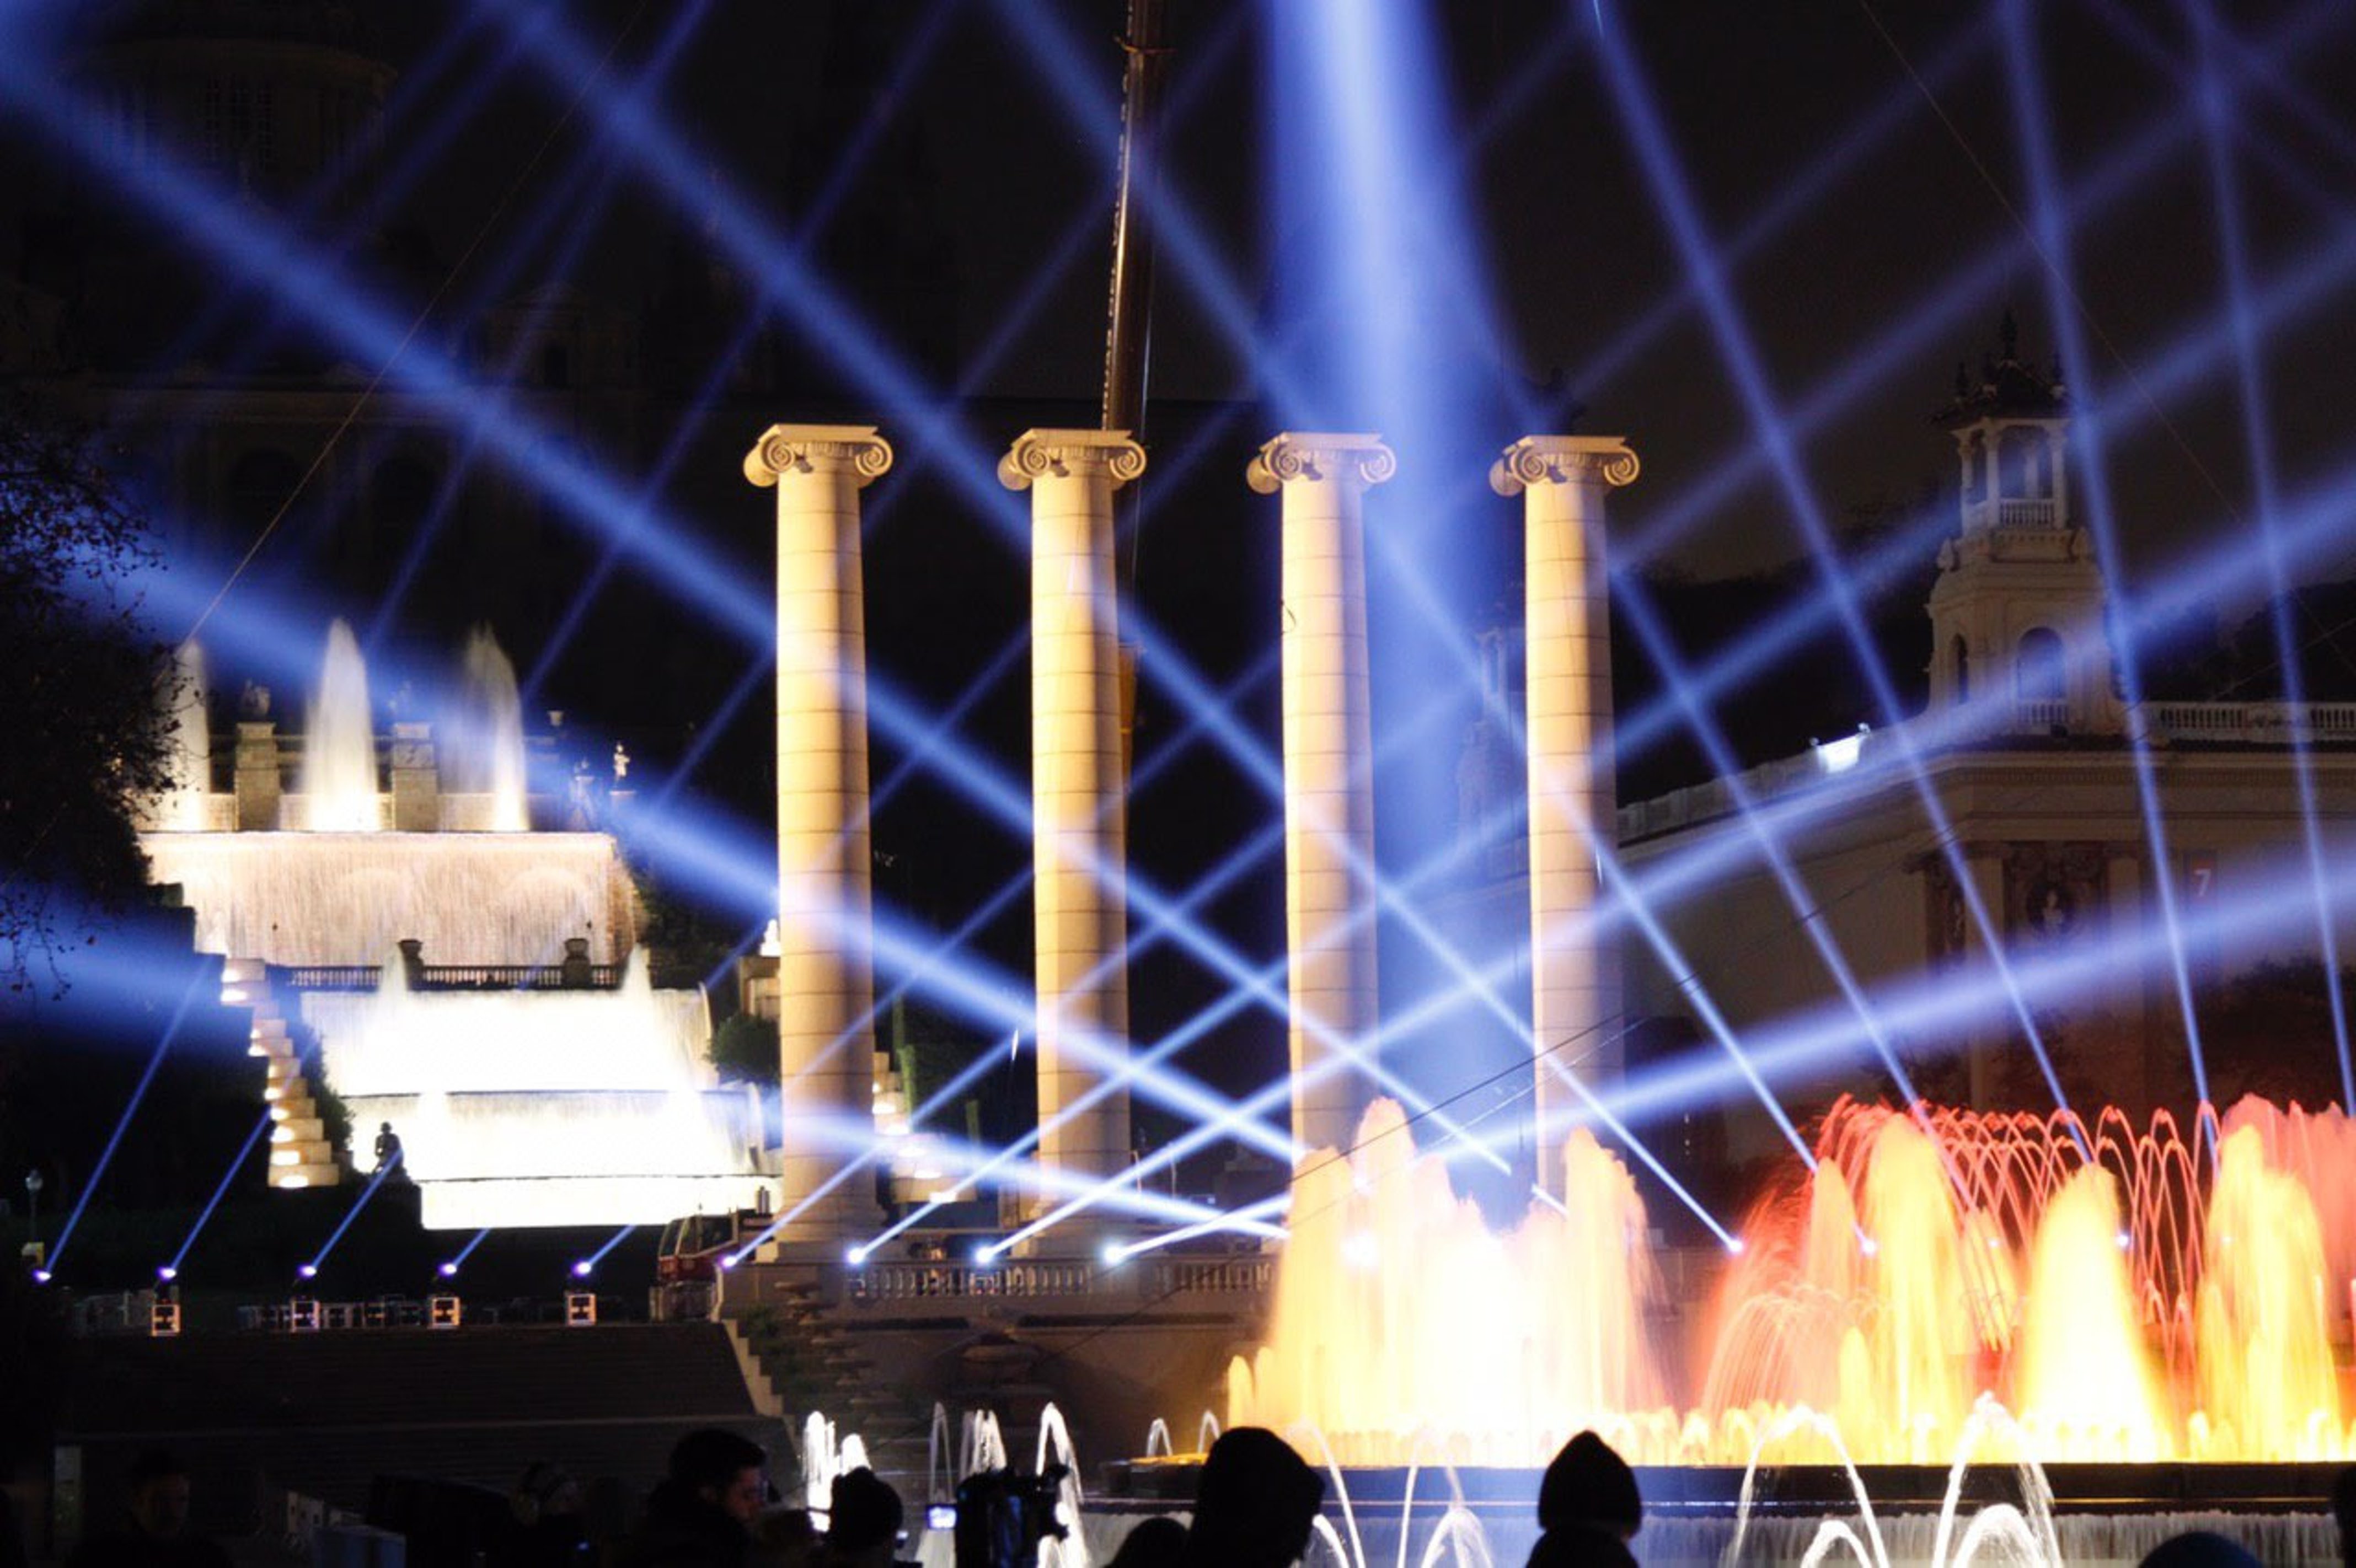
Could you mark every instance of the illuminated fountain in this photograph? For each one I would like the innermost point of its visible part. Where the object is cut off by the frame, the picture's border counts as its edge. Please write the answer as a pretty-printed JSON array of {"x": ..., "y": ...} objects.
[
  {"x": 339, "y": 782},
  {"x": 547, "y": 1107},
  {"x": 2129, "y": 1307},
  {"x": 482, "y": 747},
  {"x": 186, "y": 806}
]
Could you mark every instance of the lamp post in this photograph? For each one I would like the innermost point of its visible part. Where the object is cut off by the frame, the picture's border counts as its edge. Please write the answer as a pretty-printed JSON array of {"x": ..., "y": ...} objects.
[{"x": 33, "y": 1211}]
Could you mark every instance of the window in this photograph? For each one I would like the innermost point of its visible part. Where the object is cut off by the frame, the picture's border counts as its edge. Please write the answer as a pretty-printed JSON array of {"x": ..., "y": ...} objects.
[
  {"x": 2038, "y": 670},
  {"x": 1963, "y": 654},
  {"x": 2025, "y": 465}
]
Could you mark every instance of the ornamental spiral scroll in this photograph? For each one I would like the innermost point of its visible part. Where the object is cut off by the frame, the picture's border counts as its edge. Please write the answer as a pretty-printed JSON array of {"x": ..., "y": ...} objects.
[
  {"x": 1544, "y": 460},
  {"x": 1361, "y": 458},
  {"x": 1038, "y": 452},
  {"x": 803, "y": 449}
]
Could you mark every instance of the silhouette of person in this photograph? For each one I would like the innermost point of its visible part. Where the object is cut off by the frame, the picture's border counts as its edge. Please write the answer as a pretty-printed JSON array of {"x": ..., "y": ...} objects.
[
  {"x": 863, "y": 1521},
  {"x": 154, "y": 1530},
  {"x": 1589, "y": 1507},
  {"x": 545, "y": 1516},
  {"x": 1156, "y": 1543},
  {"x": 387, "y": 1145},
  {"x": 1254, "y": 1505},
  {"x": 2198, "y": 1549},
  {"x": 701, "y": 1514}
]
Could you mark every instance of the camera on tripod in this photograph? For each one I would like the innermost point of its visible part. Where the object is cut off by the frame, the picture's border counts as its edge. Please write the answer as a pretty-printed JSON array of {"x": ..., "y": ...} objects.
[{"x": 1003, "y": 1515}]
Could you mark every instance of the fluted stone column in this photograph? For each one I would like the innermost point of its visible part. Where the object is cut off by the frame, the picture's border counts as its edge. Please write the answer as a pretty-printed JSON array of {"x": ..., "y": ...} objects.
[
  {"x": 826, "y": 1041},
  {"x": 1078, "y": 784},
  {"x": 1329, "y": 801},
  {"x": 1566, "y": 679}
]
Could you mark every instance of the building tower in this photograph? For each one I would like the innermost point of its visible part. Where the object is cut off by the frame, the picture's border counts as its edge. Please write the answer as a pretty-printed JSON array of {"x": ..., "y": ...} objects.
[{"x": 2016, "y": 635}]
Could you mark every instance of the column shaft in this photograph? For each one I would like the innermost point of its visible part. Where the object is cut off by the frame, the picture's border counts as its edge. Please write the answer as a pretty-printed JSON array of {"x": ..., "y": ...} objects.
[
  {"x": 1078, "y": 788},
  {"x": 1575, "y": 1004},
  {"x": 1329, "y": 809},
  {"x": 825, "y": 1040}
]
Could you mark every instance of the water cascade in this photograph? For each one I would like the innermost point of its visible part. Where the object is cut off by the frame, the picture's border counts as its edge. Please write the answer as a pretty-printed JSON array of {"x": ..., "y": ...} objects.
[
  {"x": 551, "y": 1107},
  {"x": 2116, "y": 1297},
  {"x": 339, "y": 783},
  {"x": 482, "y": 749}
]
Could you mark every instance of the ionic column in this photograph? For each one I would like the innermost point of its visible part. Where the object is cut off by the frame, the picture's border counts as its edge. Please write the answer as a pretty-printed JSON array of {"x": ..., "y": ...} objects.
[
  {"x": 1329, "y": 802},
  {"x": 1566, "y": 679},
  {"x": 826, "y": 1039},
  {"x": 1078, "y": 782}
]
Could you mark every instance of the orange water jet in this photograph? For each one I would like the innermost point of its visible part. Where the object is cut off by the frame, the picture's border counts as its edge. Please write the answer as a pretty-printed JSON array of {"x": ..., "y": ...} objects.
[{"x": 2121, "y": 1303}]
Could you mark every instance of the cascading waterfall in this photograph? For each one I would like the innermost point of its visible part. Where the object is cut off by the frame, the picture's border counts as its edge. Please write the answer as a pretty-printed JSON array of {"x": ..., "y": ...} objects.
[
  {"x": 482, "y": 752},
  {"x": 339, "y": 784}
]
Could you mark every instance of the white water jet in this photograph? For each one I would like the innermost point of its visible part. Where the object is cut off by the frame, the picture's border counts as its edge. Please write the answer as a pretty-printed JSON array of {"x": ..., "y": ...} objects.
[
  {"x": 1056, "y": 1442},
  {"x": 339, "y": 786},
  {"x": 185, "y": 807},
  {"x": 482, "y": 752}
]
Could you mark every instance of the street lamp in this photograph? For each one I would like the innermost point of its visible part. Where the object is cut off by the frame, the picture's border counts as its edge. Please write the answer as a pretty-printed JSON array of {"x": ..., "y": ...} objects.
[{"x": 33, "y": 1213}]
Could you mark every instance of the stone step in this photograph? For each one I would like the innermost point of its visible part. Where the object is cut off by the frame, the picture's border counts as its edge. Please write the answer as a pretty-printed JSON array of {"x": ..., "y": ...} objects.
[
  {"x": 319, "y": 1173},
  {"x": 306, "y": 1129}
]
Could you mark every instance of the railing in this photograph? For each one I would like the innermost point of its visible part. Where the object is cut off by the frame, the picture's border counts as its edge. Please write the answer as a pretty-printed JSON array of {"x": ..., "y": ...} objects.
[
  {"x": 2257, "y": 723},
  {"x": 2027, "y": 515},
  {"x": 2044, "y": 713},
  {"x": 917, "y": 1281},
  {"x": 1033, "y": 1279},
  {"x": 457, "y": 977},
  {"x": 1254, "y": 1276}
]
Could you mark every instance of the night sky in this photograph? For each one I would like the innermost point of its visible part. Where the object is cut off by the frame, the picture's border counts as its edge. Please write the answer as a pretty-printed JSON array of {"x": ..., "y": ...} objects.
[{"x": 1863, "y": 208}]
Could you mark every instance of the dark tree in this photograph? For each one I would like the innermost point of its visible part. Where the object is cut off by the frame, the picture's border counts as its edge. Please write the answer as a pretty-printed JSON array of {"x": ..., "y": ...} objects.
[{"x": 85, "y": 699}]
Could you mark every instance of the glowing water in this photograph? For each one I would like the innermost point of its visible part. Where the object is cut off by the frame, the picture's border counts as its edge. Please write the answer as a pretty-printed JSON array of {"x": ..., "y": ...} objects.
[
  {"x": 339, "y": 784},
  {"x": 1893, "y": 1289},
  {"x": 471, "y": 897},
  {"x": 542, "y": 1107},
  {"x": 482, "y": 747},
  {"x": 185, "y": 808}
]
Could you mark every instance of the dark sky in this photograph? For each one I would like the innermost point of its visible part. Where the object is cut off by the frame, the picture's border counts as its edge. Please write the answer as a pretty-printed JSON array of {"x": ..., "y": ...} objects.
[
  {"x": 1866, "y": 201},
  {"x": 1892, "y": 223}
]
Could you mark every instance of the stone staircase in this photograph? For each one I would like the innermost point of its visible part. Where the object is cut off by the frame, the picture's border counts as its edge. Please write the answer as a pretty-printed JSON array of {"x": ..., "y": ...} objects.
[
  {"x": 300, "y": 1152},
  {"x": 811, "y": 1365}
]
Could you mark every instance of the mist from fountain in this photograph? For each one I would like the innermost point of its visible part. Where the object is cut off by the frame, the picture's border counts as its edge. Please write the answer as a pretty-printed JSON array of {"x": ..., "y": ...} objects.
[
  {"x": 185, "y": 809},
  {"x": 482, "y": 747},
  {"x": 2132, "y": 1309},
  {"x": 339, "y": 782}
]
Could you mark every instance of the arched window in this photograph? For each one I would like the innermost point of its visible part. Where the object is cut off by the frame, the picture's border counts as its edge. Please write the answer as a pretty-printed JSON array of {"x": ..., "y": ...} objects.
[
  {"x": 2025, "y": 465},
  {"x": 1963, "y": 669},
  {"x": 2038, "y": 675}
]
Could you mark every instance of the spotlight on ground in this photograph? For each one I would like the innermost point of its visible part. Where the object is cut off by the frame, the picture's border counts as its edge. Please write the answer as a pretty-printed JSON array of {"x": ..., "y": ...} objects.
[
  {"x": 448, "y": 1270},
  {"x": 42, "y": 1276},
  {"x": 308, "y": 1270},
  {"x": 583, "y": 1269},
  {"x": 855, "y": 1256},
  {"x": 166, "y": 1273}
]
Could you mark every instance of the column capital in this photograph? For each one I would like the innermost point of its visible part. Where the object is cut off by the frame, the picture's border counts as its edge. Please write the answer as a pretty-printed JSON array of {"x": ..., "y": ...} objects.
[
  {"x": 1039, "y": 453},
  {"x": 853, "y": 449},
  {"x": 1362, "y": 460},
  {"x": 1561, "y": 460}
]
